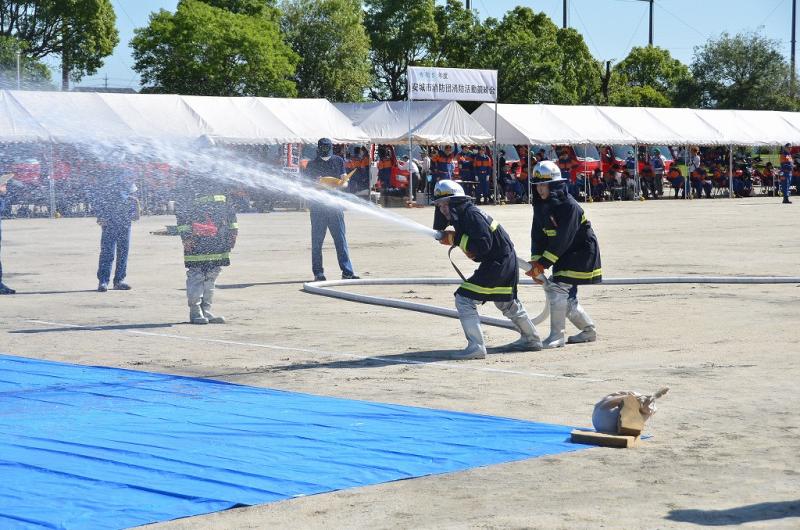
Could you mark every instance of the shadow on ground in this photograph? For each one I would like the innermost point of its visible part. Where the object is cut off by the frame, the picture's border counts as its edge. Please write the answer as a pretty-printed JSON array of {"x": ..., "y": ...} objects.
[
  {"x": 418, "y": 357},
  {"x": 765, "y": 511},
  {"x": 110, "y": 327}
]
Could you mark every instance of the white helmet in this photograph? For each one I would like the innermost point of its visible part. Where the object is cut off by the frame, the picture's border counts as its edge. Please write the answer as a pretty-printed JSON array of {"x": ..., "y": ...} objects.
[
  {"x": 546, "y": 172},
  {"x": 446, "y": 189}
]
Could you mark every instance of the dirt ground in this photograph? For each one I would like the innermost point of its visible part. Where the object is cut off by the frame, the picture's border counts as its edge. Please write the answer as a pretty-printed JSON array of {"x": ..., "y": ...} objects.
[{"x": 725, "y": 440}]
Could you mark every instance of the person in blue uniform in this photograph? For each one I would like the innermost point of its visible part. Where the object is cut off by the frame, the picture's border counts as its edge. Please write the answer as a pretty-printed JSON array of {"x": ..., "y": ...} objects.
[
  {"x": 562, "y": 239},
  {"x": 482, "y": 167},
  {"x": 116, "y": 208},
  {"x": 484, "y": 241},
  {"x": 4, "y": 289},
  {"x": 325, "y": 218}
]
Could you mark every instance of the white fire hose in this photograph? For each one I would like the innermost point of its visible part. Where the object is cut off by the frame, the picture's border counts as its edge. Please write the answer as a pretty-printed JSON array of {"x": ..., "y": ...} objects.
[{"x": 326, "y": 288}]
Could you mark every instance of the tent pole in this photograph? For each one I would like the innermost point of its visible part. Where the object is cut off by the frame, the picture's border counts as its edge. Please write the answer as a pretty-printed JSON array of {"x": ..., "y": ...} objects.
[
  {"x": 686, "y": 186},
  {"x": 637, "y": 194},
  {"x": 410, "y": 162},
  {"x": 51, "y": 182},
  {"x": 585, "y": 178},
  {"x": 528, "y": 171},
  {"x": 495, "y": 158},
  {"x": 730, "y": 171}
]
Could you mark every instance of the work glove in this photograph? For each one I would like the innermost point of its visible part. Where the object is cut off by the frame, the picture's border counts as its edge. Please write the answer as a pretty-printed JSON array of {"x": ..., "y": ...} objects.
[
  {"x": 536, "y": 270},
  {"x": 448, "y": 238}
]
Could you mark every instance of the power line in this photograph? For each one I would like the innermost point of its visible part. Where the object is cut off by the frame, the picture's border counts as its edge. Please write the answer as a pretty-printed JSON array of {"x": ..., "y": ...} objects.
[
  {"x": 633, "y": 35},
  {"x": 679, "y": 19}
]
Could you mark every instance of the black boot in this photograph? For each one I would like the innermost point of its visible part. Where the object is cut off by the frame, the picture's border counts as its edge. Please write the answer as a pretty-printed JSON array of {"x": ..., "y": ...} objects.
[{"x": 4, "y": 289}]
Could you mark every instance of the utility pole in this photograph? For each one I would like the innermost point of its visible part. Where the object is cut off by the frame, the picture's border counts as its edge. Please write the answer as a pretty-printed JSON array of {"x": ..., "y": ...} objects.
[
  {"x": 468, "y": 4},
  {"x": 794, "y": 20},
  {"x": 650, "y": 40},
  {"x": 606, "y": 80},
  {"x": 564, "y": 25}
]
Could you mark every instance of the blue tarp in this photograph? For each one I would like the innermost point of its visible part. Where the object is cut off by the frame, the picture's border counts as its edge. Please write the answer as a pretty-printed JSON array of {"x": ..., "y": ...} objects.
[{"x": 92, "y": 447}]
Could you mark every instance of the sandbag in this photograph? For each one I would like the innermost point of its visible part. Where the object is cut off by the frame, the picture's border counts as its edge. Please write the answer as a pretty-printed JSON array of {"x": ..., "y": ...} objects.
[{"x": 605, "y": 417}]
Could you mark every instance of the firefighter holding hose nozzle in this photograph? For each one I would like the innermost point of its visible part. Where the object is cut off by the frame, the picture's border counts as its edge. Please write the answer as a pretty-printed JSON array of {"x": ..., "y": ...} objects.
[
  {"x": 562, "y": 238},
  {"x": 483, "y": 240}
]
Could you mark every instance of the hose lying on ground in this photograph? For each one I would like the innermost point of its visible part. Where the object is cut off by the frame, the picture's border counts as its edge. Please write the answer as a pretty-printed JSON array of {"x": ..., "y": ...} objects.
[{"x": 325, "y": 288}]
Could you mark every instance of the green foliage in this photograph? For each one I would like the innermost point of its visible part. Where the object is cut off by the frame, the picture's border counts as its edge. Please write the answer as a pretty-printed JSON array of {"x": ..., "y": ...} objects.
[
  {"x": 745, "y": 71},
  {"x": 253, "y": 8},
  {"x": 33, "y": 73},
  {"x": 458, "y": 36},
  {"x": 402, "y": 33},
  {"x": 205, "y": 50},
  {"x": 82, "y": 32},
  {"x": 649, "y": 76},
  {"x": 332, "y": 43},
  {"x": 537, "y": 62}
]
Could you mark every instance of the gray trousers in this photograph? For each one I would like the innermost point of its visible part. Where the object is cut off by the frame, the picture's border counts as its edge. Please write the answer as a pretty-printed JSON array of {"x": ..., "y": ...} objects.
[{"x": 200, "y": 284}]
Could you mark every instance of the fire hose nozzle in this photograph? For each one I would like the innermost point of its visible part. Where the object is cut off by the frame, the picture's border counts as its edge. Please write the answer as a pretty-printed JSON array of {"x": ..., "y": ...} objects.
[{"x": 438, "y": 235}]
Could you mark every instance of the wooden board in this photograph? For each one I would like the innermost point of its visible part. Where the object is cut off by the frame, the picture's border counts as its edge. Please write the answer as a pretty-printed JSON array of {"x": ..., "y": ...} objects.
[
  {"x": 605, "y": 440},
  {"x": 631, "y": 422}
]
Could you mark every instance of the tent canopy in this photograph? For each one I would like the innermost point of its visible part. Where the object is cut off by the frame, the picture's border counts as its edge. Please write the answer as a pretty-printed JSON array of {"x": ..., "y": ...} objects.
[
  {"x": 432, "y": 122},
  {"x": 560, "y": 124},
  {"x": 96, "y": 117}
]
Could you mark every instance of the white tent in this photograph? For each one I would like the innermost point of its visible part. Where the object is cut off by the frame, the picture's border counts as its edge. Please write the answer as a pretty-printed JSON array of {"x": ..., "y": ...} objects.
[
  {"x": 94, "y": 117},
  {"x": 239, "y": 121},
  {"x": 16, "y": 124},
  {"x": 311, "y": 119},
  {"x": 559, "y": 124},
  {"x": 73, "y": 116},
  {"x": 689, "y": 125},
  {"x": 430, "y": 122},
  {"x": 159, "y": 115}
]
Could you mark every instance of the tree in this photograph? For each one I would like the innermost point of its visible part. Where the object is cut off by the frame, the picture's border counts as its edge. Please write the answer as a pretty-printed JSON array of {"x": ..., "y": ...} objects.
[
  {"x": 459, "y": 34},
  {"x": 251, "y": 8},
  {"x": 648, "y": 76},
  {"x": 401, "y": 33},
  {"x": 537, "y": 62},
  {"x": 330, "y": 38},
  {"x": 33, "y": 73},
  {"x": 581, "y": 73},
  {"x": 81, "y": 32},
  {"x": 206, "y": 50},
  {"x": 746, "y": 71}
]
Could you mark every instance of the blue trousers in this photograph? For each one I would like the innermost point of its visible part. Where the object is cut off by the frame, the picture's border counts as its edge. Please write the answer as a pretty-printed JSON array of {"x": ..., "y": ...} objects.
[
  {"x": 1, "y": 262},
  {"x": 483, "y": 187},
  {"x": 785, "y": 187},
  {"x": 115, "y": 239},
  {"x": 322, "y": 221}
]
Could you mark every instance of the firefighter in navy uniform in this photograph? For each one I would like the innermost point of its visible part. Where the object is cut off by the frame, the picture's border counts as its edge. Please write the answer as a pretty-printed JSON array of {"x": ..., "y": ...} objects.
[
  {"x": 359, "y": 162},
  {"x": 562, "y": 238},
  {"x": 208, "y": 228},
  {"x": 483, "y": 240}
]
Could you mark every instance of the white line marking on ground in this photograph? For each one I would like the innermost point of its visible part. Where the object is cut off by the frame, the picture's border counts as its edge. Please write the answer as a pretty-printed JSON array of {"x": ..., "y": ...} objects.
[{"x": 397, "y": 360}]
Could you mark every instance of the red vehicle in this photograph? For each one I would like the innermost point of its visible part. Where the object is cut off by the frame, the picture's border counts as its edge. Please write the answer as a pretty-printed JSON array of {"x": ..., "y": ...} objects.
[
  {"x": 27, "y": 171},
  {"x": 616, "y": 154},
  {"x": 399, "y": 177},
  {"x": 584, "y": 158}
]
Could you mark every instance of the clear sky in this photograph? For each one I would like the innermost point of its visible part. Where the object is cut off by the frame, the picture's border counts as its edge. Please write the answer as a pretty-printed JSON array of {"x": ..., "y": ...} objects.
[{"x": 610, "y": 27}]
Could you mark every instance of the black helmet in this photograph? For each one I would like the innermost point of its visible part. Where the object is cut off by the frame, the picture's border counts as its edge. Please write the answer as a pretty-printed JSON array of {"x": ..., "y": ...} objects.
[{"x": 324, "y": 147}]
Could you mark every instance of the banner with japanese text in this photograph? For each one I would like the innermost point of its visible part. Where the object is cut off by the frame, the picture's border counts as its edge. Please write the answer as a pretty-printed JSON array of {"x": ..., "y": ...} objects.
[{"x": 451, "y": 84}]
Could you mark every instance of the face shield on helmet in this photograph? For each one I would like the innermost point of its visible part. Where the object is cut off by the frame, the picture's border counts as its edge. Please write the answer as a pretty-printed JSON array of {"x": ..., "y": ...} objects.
[
  {"x": 447, "y": 189},
  {"x": 546, "y": 172},
  {"x": 324, "y": 147}
]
